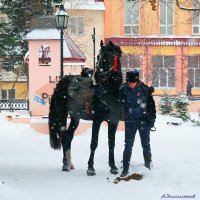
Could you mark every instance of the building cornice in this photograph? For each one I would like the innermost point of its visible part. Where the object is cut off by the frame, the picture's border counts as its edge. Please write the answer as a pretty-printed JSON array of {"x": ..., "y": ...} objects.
[{"x": 155, "y": 41}]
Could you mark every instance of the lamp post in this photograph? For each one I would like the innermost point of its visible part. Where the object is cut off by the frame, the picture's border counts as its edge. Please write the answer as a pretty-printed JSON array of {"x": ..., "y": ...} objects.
[{"x": 61, "y": 23}]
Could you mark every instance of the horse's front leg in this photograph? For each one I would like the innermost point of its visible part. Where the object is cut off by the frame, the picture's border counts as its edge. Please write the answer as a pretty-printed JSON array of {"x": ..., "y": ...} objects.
[
  {"x": 93, "y": 145},
  {"x": 67, "y": 137},
  {"x": 112, "y": 127}
]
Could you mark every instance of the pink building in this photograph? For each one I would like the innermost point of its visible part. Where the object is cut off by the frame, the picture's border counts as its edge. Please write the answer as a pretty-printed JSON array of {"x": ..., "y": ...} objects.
[{"x": 43, "y": 58}]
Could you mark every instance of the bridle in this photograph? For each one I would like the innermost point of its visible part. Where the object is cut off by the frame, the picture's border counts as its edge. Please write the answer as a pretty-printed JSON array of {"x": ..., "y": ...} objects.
[{"x": 112, "y": 68}]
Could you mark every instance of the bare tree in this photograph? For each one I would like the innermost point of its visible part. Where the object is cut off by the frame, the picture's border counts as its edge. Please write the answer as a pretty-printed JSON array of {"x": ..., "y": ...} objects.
[{"x": 184, "y": 5}]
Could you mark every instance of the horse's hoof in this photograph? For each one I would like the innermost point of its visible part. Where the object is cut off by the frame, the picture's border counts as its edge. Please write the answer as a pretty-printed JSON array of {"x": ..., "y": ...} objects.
[
  {"x": 91, "y": 172},
  {"x": 65, "y": 168},
  {"x": 72, "y": 167},
  {"x": 114, "y": 170}
]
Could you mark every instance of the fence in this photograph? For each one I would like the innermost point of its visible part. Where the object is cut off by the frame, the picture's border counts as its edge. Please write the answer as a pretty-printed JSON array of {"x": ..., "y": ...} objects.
[{"x": 14, "y": 104}]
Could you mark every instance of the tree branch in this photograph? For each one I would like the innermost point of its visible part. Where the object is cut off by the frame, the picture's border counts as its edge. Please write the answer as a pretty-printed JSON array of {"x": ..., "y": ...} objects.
[{"x": 186, "y": 9}]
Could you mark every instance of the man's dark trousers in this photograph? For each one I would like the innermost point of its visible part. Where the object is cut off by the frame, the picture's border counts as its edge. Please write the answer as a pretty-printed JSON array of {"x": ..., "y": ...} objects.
[{"x": 131, "y": 128}]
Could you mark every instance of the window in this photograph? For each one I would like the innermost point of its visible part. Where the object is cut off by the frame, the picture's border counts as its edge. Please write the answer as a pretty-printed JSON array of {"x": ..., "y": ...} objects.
[
  {"x": 163, "y": 74},
  {"x": 128, "y": 62},
  {"x": 131, "y": 17},
  {"x": 194, "y": 70},
  {"x": 166, "y": 17},
  {"x": 44, "y": 55},
  {"x": 77, "y": 25},
  {"x": 195, "y": 18},
  {"x": 8, "y": 94}
]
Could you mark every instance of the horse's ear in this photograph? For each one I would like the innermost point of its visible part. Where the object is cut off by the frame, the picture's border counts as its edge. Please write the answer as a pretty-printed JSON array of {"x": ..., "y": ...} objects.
[
  {"x": 111, "y": 43},
  {"x": 101, "y": 43}
]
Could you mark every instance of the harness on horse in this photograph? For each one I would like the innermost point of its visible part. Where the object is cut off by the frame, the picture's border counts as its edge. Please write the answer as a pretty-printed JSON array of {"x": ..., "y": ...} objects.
[
  {"x": 78, "y": 81},
  {"x": 84, "y": 84}
]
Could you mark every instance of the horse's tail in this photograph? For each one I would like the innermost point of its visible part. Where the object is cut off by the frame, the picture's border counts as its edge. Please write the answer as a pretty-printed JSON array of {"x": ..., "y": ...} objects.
[
  {"x": 58, "y": 112},
  {"x": 55, "y": 140}
]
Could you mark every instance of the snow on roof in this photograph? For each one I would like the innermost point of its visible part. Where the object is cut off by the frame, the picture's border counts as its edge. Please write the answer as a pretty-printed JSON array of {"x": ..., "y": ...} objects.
[
  {"x": 11, "y": 76},
  {"x": 43, "y": 34},
  {"x": 76, "y": 53},
  {"x": 84, "y": 4},
  {"x": 48, "y": 34},
  {"x": 70, "y": 49}
]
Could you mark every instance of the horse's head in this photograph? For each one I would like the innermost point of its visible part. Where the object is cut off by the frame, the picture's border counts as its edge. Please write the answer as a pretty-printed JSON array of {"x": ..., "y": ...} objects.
[{"x": 108, "y": 62}]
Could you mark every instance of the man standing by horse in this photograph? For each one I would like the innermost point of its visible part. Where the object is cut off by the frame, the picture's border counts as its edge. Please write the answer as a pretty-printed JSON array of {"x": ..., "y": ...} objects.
[{"x": 140, "y": 114}]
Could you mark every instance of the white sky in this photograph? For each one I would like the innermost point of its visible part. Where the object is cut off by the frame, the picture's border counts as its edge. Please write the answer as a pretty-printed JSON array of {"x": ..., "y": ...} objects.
[{"x": 31, "y": 170}]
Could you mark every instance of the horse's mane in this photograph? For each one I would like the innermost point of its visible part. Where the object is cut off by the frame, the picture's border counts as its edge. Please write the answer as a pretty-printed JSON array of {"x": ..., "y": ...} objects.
[
  {"x": 116, "y": 49},
  {"x": 112, "y": 47}
]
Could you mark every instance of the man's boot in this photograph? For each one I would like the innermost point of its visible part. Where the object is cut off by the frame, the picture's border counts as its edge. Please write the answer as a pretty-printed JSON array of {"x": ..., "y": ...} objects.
[
  {"x": 126, "y": 162},
  {"x": 124, "y": 172}
]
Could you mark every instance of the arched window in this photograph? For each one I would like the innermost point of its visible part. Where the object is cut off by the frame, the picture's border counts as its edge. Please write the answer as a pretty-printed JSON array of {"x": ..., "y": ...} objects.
[{"x": 44, "y": 55}]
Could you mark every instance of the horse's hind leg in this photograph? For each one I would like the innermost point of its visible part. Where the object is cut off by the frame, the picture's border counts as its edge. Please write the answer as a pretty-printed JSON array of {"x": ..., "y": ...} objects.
[
  {"x": 66, "y": 142},
  {"x": 69, "y": 159},
  {"x": 94, "y": 142},
  {"x": 112, "y": 127}
]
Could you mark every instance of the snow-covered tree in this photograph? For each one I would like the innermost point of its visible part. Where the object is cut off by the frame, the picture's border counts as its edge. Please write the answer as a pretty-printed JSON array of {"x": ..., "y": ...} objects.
[
  {"x": 166, "y": 104},
  {"x": 13, "y": 45},
  {"x": 180, "y": 104}
]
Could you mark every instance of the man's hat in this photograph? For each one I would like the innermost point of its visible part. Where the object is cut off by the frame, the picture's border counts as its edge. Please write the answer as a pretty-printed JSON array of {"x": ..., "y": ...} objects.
[{"x": 132, "y": 76}]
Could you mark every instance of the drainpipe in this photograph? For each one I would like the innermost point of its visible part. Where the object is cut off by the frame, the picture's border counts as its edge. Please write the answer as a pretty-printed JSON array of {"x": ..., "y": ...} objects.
[
  {"x": 94, "y": 52},
  {"x": 182, "y": 65}
]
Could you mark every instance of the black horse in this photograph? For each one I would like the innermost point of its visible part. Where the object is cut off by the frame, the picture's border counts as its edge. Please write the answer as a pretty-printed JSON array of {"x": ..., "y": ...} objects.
[{"x": 88, "y": 98}]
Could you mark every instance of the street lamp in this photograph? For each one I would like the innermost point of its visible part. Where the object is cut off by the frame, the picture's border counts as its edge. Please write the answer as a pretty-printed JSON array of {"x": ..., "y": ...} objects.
[{"x": 61, "y": 24}]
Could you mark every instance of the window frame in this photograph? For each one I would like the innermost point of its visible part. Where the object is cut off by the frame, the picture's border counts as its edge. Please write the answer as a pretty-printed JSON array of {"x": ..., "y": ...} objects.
[
  {"x": 165, "y": 24},
  {"x": 194, "y": 70},
  {"x": 132, "y": 25},
  {"x": 194, "y": 25},
  {"x": 5, "y": 94},
  {"x": 163, "y": 71},
  {"x": 130, "y": 61},
  {"x": 44, "y": 57},
  {"x": 77, "y": 25}
]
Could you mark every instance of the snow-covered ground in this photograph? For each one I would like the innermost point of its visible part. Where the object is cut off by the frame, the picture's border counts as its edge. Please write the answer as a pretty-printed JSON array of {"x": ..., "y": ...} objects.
[{"x": 31, "y": 170}]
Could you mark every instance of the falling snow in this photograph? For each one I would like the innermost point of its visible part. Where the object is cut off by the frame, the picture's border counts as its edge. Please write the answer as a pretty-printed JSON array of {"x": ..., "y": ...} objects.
[{"x": 31, "y": 170}]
